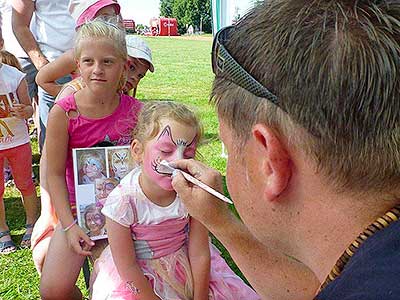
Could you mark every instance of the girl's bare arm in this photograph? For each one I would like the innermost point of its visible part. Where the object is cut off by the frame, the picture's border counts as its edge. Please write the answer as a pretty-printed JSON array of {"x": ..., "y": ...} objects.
[
  {"x": 48, "y": 74},
  {"x": 57, "y": 149},
  {"x": 199, "y": 257},
  {"x": 23, "y": 109},
  {"x": 123, "y": 253}
]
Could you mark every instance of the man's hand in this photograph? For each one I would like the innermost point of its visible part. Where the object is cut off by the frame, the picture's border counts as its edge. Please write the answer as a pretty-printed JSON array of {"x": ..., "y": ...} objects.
[{"x": 201, "y": 205}]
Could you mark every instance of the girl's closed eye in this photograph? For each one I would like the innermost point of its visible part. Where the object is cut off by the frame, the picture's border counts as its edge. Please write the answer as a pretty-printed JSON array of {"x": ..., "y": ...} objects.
[
  {"x": 165, "y": 148},
  {"x": 166, "y": 151}
]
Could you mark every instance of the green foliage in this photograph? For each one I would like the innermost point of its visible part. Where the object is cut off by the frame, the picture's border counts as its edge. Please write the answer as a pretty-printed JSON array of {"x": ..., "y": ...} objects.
[
  {"x": 166, "y": 8},
  {"x": 257, "y": 2},
  {"x": 188, "y": 12}
]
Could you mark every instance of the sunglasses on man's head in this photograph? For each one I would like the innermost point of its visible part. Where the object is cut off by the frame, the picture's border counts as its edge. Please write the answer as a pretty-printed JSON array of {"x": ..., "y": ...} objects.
[{"x": 224, "y": 65}]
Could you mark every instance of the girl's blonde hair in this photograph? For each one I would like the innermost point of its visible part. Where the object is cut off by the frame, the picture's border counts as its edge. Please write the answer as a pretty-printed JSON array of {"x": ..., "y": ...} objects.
[
  {"x": 103, "y": 28},
  {"x": 100, "y": 28},
  {"x": 150, "y": 116},
  {"x": 9, "y": 59}
]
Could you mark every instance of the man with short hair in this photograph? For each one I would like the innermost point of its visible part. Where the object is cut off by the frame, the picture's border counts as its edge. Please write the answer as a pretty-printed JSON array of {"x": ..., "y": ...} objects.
[{"x": 307, "y": 98}]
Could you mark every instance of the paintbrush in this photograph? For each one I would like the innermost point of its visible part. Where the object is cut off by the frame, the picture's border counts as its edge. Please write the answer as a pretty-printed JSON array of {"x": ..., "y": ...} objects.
[{"x": 165, "y": 168}]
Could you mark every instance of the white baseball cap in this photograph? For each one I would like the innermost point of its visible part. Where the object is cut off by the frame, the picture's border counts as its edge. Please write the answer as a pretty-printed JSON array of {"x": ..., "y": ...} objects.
[{"x": 138, "y": 48}]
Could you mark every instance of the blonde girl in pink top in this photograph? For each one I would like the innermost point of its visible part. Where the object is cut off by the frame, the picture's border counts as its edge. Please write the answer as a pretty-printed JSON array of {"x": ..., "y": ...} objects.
[{"x": 93, "y": 114}]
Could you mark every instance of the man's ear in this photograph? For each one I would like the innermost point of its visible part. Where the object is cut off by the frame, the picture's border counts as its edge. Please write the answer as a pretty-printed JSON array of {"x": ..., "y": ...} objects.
[
  {"x": 137, "y": 150},
  {"x": 274, "y": 164}
]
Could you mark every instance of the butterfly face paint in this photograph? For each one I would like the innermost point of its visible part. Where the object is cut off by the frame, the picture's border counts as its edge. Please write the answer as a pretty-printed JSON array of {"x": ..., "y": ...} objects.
[
  {"x": 95, "y": 220},
  {"x": 92, "y": 168},
  {"x": 103, "y": 188},
  {"x": 120, "y": 163},
  {"x": 175, "y": 141}
]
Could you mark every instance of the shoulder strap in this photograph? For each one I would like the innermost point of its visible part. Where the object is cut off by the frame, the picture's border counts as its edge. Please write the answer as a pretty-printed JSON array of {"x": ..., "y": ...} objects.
[{"x": 68, "y": 104}]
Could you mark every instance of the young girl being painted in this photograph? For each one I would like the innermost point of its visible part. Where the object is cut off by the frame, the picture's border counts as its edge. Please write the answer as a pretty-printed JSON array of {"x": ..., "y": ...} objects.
[
  {"x": 98, "y": 112},
  {"x": 15, "y": 108},
  {"x": 157, "y": 251}
]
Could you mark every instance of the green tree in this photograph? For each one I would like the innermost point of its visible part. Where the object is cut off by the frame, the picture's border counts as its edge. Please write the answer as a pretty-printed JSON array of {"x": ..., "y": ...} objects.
[
  {"x": 204, "y": 17},
  {"x": 257, "y": 2},
  {"x": 192, "y": 12},
  {"x": 166, "y": 8}
]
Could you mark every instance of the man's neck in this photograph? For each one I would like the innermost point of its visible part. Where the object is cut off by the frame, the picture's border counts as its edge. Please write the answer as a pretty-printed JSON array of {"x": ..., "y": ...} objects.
[{"x": 336, "y": 221}]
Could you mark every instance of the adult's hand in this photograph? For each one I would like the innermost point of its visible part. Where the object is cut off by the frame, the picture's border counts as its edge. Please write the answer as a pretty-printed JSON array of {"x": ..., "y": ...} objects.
[{"x": 201, "y": 205}]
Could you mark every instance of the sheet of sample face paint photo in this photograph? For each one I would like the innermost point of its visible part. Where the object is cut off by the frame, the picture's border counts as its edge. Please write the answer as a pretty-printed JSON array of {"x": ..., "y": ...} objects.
[{"x": 97, "y": 171}]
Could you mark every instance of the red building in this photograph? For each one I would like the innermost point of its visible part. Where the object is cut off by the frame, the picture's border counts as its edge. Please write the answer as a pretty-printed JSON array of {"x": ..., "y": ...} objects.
[
  {"x": 164, "y": 26},
  {"x": 129, "y": 25}
]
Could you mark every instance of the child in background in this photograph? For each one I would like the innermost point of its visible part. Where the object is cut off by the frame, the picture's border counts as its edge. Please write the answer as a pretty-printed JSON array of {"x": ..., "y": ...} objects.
[
  {"x": 9, "y": 59},
  {"x": 15, "y": 146},
  {"x": 157, "y": 251},
  {"x": 96, "y": 113}
]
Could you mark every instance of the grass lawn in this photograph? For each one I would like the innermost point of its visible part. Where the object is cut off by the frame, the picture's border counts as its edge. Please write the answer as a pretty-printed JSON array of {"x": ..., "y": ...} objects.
[{"x": 182, "y": 73}]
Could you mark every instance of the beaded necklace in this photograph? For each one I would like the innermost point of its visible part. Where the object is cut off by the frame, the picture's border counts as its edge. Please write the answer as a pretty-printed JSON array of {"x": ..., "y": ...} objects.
[{"x": 380, "y": 223}]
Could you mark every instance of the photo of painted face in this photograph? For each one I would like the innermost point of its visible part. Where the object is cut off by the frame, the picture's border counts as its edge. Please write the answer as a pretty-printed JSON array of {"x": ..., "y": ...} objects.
[
  {"x": 175, "y": 141},
  {"x": 120, "y": 162},
  {"x": 103, "y": 188},
  {"x": 94, "y": 220},
  {"x": 91, "y": 166}
]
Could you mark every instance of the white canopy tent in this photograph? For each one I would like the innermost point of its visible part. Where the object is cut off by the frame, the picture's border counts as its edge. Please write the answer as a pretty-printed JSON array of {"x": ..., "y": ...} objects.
[{"x": 226, "y": 11}]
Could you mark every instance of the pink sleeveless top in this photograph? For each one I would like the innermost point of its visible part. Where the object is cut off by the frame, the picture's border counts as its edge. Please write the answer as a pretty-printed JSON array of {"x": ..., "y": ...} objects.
[{"x": 86, "y": 132}]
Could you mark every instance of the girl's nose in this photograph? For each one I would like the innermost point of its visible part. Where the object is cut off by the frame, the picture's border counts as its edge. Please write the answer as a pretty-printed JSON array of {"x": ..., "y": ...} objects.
[
  {"x": 178, "y": 155},
  {"x": 98, "y": 68}
]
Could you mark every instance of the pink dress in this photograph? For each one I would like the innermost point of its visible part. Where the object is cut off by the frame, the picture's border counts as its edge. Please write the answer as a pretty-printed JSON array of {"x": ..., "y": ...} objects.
[{"x": 160, "y": 238}]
